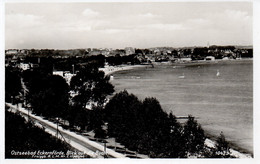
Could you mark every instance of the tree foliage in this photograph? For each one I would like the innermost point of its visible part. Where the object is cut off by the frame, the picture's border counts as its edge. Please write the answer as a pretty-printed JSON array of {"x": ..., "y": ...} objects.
[
  {"x": 193, "y": 135},
  {"x": 24, "y": 136},
  {"x": 199, "y": 53},
  {"x": 12, "y": 83},
  {"x": 222, "y": 146},
  {"x": 90, "y": 86},
  {"x": 143, "y": 126},
  {"x": 48, "y": 94}
]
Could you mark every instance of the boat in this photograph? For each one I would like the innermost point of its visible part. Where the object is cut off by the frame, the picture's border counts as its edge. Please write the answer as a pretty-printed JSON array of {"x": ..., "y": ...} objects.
[
  {"x": 218, "y": 74},
  {"x": 182, "y": 76}
]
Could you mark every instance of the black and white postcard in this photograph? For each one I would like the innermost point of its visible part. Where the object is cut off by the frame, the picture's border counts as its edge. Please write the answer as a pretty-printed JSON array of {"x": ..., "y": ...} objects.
[{"x": 149, "y": 81}]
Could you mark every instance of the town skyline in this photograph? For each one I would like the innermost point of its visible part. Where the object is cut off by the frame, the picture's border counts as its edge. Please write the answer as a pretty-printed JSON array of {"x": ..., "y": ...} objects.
[{"x": 119, "y": 25}]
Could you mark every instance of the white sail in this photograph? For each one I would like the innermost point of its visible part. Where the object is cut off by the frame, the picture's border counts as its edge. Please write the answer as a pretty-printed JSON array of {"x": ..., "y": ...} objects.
[{"x": 218, "y": 73}]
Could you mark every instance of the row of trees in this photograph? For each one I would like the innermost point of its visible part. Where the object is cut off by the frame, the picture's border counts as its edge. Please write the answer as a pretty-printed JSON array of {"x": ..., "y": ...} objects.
[
  {"x": 144, "y": 127},
  {"x": 65, "y": 64}
]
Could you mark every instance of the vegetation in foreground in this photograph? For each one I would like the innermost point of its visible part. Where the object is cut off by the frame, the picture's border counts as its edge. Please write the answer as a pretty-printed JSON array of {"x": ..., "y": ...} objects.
[
  {"x": 23, "y": 136},
  {"x": 140, "y": 125}
]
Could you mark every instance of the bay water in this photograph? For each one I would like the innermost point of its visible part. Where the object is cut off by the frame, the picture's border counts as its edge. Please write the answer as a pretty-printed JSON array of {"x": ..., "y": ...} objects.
[{"x": 218, "y": 94}]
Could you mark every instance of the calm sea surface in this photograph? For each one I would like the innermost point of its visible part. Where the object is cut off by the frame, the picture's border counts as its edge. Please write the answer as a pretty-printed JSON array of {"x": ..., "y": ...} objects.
[{"x": 219, "y": 103}]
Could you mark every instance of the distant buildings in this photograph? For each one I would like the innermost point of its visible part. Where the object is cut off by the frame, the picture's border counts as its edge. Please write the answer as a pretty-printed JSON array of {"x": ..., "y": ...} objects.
[
  {"x": 16, "y": 57},
  {"x": 12, "y": 52},
  {"x": 129, "y": 50},
  {"x": 95, "y": 52},
  {"x": 210, "y": 58},
  {"x": 65, "y": 74}
]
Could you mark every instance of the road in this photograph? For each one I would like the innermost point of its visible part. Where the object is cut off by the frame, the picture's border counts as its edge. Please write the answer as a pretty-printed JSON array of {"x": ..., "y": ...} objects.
[{"x": 77, "y": 141}]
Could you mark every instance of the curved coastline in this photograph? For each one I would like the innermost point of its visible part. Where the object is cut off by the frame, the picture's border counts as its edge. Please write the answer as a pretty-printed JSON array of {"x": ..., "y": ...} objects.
[
  {"x": 235, "y": 149},
  {"x": 109, "y": 70}
]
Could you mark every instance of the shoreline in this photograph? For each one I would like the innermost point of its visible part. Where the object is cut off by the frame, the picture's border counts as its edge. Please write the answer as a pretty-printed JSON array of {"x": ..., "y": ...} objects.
[
  {"x": 109, "y": 70},
  {"x": 235, "y": 150},
  {"x": 200, "y": 62}
]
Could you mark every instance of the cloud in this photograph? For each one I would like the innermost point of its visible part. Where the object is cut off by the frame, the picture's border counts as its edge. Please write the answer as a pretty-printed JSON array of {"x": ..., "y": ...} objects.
[
  {"x": 237, "y": 15},
  {"x": 148, "y": 15},
  {"x": 197, "y": 21},
  {"x": 90, "y": 13},
  {"x": 234, "y": 21},
  {"x": 162, "y": 26},
  {"x": 23, "y": 20},
  {"x": 120, "y": 24},
  {"x": 114, "y": 31}
]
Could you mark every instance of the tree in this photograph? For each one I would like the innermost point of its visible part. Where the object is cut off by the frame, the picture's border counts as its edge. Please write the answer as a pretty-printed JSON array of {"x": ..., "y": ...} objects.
[
  {"x": 142, "y": 125},
  {"x": 158, "y": 126},
  {"x": 91, "y": 87},
  {"x": 121, "y": 113},
  {"x": 222, "y": 147},
  {"x": 53, "y": 98},
  {"x": 117, "y": 59},
  {"x": 175, "y": 147},
  {"x": 48, "y": 94},
  {"x": 193, "y": 135},
  {"x": 12, "y": 83},
  {"x": 199, "y": 53}
]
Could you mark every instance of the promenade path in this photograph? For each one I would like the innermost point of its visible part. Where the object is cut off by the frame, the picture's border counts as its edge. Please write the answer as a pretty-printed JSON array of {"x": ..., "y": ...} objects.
[{"x": 77, "y": 141}]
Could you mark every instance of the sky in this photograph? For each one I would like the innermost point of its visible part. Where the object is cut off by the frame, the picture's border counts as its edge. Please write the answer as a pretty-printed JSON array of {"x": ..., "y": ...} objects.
[{"x": 120, "y": 25}]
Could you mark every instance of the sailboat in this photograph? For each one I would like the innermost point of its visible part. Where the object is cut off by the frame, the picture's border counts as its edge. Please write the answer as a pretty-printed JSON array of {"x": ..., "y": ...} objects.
[
  {"x": 182, "y": 76},
  {"x": 218, "y": 74}
]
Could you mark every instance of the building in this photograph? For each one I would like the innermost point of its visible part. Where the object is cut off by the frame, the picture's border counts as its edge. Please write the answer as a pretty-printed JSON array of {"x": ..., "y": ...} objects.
[
  {"x": 210, "y": 58},
  {"x": 24, "y": 66},
  {"x": 11, "y": 52},
  {"x": 129, "y": 50},
  {"x": 60, "y": 73},
  {"x": 65, "y": 74}
]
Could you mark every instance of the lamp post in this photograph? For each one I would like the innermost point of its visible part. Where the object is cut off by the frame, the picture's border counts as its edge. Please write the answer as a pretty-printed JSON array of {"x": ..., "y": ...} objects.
[
  {"x": 105, "y": 147},
  {"x": 57, "y": 126}
]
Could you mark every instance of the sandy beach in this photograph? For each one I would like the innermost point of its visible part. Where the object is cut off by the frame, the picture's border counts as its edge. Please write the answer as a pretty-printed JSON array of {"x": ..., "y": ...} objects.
[{"x": 109, "y": 70}]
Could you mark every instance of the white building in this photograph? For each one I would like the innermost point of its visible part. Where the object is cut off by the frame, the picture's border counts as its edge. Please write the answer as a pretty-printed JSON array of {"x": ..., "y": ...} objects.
[
  {"x": 60, "y": 73},
  {"x": 11, "y": 52},
  {"x": 65, "y": 74},
  {"x": 24, "y": 66},
  {"x": 210, "y": 58},
  {"x": 185, "y": 59}
]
